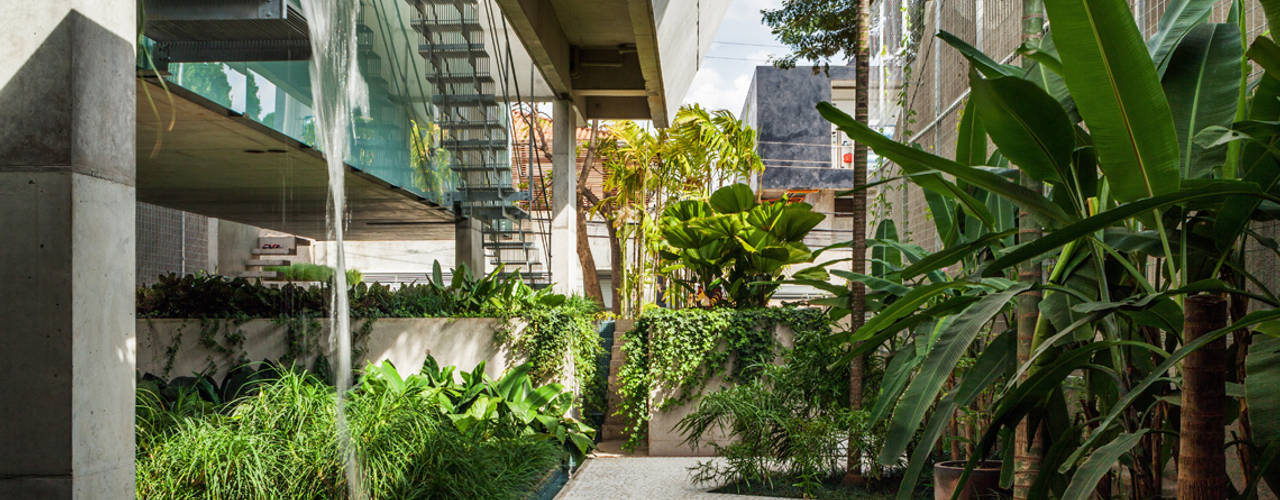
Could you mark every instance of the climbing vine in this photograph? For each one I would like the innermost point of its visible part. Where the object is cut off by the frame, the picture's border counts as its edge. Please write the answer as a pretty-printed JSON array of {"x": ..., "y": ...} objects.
[
  {"x": 671, "y": 355},
  {"x": 561, "y": 342}
]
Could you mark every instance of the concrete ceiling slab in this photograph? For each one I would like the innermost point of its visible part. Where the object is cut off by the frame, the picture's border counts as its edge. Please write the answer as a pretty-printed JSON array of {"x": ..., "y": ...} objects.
[{"x": 198, "y": 156}]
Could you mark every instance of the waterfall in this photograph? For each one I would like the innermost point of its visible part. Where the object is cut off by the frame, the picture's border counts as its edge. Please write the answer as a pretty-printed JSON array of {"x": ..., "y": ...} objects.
[{"x": 336, "y": 91}]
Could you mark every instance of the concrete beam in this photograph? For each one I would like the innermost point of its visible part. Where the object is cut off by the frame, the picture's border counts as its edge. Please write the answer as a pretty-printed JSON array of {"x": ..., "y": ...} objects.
[
  {"x": 539, "y": 30},
  {"x": 67, "y": 203},
  {"x": 566, "y": 272},
  {"x": 617, "y": 107},
  {"x": 611, "y": 71},
  {"x": 644, "y": 25}
]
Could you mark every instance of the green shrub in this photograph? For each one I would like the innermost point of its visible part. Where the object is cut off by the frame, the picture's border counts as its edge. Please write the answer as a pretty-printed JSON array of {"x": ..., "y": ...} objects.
[
  {"x": 554, "y": 322},
  {"x": 676, "y": 352},
  {"x": 213, "y": 296},
  {"x": 790, "y": 421},
  {"x": 729, "y": 250},
  {"x": 301, "y": 271},
  {"x": 281, "y": 441}
]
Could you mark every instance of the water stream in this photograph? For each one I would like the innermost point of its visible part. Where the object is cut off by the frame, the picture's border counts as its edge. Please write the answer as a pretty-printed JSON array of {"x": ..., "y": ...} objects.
[{"x": 337, "y": 90}]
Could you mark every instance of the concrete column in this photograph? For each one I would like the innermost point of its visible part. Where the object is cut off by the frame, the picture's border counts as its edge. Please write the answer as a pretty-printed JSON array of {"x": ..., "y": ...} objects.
[
  {"x": 67, "y": 203},
  {"x": 566, "y": 272},
  {"x": 469, "y": 246}
]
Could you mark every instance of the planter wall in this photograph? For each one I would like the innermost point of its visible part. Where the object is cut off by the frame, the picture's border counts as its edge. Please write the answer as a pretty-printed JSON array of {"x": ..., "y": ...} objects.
[
  {"x": 665, "y": 441},
  {"x": 462, "y": 342}
]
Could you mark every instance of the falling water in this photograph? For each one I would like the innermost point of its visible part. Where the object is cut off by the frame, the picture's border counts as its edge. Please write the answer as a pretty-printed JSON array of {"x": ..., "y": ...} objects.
[{"x": 336, "y": 90}]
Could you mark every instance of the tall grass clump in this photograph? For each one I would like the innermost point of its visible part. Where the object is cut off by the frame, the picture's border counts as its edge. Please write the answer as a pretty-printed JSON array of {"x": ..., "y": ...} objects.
[{"x": 280, "y": 442}]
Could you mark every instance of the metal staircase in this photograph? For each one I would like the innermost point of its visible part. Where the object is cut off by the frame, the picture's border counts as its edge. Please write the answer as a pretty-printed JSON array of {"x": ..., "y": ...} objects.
[{"x": 473, "y": 118}]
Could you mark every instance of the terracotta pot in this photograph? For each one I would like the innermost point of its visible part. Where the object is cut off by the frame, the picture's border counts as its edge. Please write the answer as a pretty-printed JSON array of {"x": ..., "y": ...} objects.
[{"x": 983, "y": 482}]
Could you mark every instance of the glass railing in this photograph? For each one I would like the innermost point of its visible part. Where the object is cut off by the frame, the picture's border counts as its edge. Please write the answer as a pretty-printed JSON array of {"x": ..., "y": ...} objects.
[{"x": 398, "y": 140}]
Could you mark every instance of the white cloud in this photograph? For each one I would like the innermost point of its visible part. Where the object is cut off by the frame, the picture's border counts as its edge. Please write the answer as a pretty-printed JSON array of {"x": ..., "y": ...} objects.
[{"x": 713, "y": 90}]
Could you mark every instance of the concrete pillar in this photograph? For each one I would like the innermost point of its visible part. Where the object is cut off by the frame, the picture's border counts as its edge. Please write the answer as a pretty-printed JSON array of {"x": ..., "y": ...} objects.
[
  {"x": 566, "y": 271},
  {"x": 469, "y": 246},
  {"x": 67, "y": 203}
]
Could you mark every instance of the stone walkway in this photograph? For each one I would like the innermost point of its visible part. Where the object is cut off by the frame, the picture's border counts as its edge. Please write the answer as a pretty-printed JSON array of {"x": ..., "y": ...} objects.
[{"x": 647, "y": 478}]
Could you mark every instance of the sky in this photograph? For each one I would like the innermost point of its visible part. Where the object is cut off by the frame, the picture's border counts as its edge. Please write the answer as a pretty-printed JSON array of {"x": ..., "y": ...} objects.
[{"x": 742, "y": 43}]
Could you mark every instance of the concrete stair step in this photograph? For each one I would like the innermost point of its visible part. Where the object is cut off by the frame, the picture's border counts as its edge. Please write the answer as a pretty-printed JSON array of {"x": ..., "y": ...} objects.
[
  {"x": 260, "y": 274},
  {"x": 274, "y": 251},
  {"x": 265, "y": 262}
]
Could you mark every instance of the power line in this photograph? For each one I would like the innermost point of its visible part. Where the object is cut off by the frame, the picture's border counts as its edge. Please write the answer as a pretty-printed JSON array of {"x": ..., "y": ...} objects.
[
  {"x": 753, "y": 59},
  {"x": 749, "y": 44}
]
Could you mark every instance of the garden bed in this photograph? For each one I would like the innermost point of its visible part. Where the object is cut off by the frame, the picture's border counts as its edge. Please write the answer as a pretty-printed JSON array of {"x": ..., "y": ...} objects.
[{"x": 181, "y": 346}]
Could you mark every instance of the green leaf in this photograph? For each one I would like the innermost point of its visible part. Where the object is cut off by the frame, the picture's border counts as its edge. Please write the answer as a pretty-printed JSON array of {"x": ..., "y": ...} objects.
[
  {"x": 733, "y": 198},
  {"x": 1262, "y": 368},
  {"x": 1271, "y": 8},
  {"x": 935, "y": 368},
  {"x": 971, "y": 141},
  {"x": 1099, "y": 463},
  {"x": 914, "y": 160},
  {"x": 981, "y": 62},
  {"x": 874, "y": 283},
  {"x": 1161, "y": 373},
  {"x": 948, "y": 256},
  {"x": 1028, "y": 125},
  {"x": 896, "y": 375},
  {"x": 1202, "y": 83},
  {"x": 1114, "y": 84},
  {"x": 1180, "y": 16},
  {"x": 885, "y": 259},
  {"x": 795, "y": 222},
  {"x": 905, "y": 306},
  {"x": 1266, "y": 53},
  {"x": 1057, "y": 238}
]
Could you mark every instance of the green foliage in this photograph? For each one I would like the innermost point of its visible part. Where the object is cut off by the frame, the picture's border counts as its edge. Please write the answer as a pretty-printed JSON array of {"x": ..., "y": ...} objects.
[
  {"x": 672, "y": 354},
  {"x": 485, "y": 409},
  {"x": 790, "y": 421},
  {"x": 1145, "y": 164},
  {"x": 569, "y": 328},
  {"x": 301, "y": 271},
  {"x": 647, "y": 171},
  {"x": 817, "y": 31},
  {"x": 552, "y": 322},
  {"x": 421, "y": 436},
  {"x": 731, "y": 249},
  {"x": 212, "y": 296}
]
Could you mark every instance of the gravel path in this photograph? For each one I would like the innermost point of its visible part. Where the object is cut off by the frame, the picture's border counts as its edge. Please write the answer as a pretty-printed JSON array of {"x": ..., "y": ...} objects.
[{"x": 647, "y": 478}]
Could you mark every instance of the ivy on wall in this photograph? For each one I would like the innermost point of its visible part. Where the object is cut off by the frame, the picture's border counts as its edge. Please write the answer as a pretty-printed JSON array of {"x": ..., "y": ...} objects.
[{"x": 671, "y": 355}]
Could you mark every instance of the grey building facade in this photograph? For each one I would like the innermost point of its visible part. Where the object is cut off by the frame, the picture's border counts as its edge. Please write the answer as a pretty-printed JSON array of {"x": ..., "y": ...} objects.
[{"x": 794, "y": 141}]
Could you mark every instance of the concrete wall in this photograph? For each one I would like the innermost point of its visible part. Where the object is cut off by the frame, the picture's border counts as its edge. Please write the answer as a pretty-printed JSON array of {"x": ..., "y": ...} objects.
[
  {"x": 462, "y": 342},
  {"x": 235, "y": 241},
  {"x": 665, "y": 441},
  {"x": 67, "y": 243},
  {"x": 174, "y": 241},
  {"x": 390, "y": 256},
  {"x": 685, "y": 32}
]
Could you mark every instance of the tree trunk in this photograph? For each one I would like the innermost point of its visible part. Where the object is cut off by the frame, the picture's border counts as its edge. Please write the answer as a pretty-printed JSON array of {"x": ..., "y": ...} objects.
[
  {"x": 857, "y": 297},
  {"x": 1028, "y": 443},
  {"x": 615, "y": 266},
  {"x": 590, "y": 280},
  {"x": 1202, "y": 468}
]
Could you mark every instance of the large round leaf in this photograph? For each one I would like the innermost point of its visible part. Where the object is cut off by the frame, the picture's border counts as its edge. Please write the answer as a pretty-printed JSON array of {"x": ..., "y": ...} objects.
[{"x": 733, "y": 198}]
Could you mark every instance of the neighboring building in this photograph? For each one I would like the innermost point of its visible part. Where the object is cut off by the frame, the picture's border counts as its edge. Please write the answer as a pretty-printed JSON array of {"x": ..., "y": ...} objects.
[
  {"x": 805, "y": 157},
  {"x": 798, "y": 146}
]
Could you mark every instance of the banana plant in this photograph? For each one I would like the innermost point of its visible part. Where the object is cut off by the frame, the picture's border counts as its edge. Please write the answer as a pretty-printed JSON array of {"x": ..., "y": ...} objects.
[{"x": 1151, "y": 151}]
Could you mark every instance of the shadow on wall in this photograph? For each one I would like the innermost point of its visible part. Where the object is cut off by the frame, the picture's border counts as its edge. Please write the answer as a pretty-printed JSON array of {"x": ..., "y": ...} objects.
[{"x": 67, "y": 202}]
